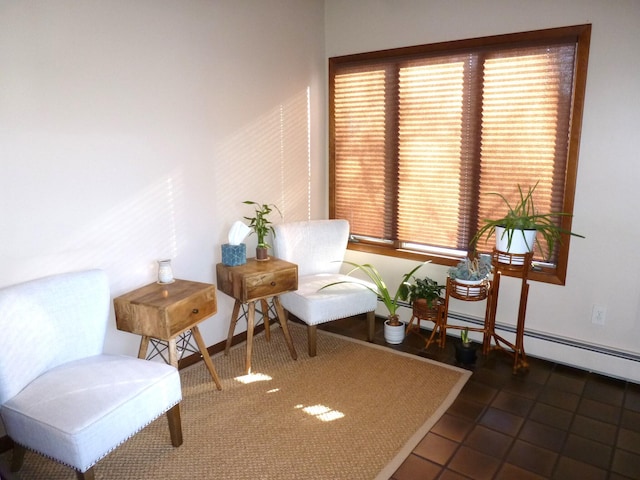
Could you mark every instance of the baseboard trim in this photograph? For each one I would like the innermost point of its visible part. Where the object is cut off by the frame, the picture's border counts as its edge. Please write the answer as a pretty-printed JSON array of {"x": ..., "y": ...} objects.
[{"x": 546, "y": 337}]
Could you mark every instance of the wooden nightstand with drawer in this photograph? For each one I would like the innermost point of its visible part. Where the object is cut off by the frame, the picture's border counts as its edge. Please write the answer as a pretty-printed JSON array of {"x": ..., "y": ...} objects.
[
  {"x": 165, "y": 311},
  {"x": 256, "y": 281}
]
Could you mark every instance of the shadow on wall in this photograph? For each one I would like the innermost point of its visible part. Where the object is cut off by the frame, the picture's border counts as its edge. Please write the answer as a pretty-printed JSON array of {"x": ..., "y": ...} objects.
[
  {"x": 126, "y": 240},
  {"x": 268, "y": 161}
]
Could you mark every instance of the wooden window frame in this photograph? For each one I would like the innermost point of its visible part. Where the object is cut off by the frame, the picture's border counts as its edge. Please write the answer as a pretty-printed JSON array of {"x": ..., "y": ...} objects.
[{"x": 555, "y": 274}]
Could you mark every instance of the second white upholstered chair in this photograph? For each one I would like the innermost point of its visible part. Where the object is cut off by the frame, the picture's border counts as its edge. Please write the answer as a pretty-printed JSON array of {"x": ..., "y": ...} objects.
[
  {"x": 318, "y": 248},
  {"x": 60, "y": 395}
]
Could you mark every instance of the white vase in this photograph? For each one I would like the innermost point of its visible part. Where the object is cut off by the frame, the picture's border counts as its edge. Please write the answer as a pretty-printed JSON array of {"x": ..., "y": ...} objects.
[
  {"x": 393, "y": 334},
  {"x": 165, "y": 272},
  {"x": 468, "y": 288},
  {"x": 522, "y": 241}
]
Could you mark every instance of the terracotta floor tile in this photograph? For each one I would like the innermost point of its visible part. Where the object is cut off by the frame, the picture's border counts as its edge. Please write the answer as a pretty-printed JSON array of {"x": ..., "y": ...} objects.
[
  {"x": 599, "y": 410},
  {"x": 452, "y": 427},
  {"x": 629, "y": 440},
  {"x": 560, "y": 399},
  {"x": 436, "y": 448},
  {"x": 552, "y": 416},
  {"x": 626, "y": 463},
  {"x": 532, "y": 458},
  {"x": 467, "y": 409},
  {"x": 511, "y": 403},
  {"x": 543, "y": 435},
  {"x": 417, "y": 468},
  {"x": 594, "y": 429},
  {"x": 476, "y": 392},
  {"x": 513, "y": 472},
  {"x": 588, "y": 451},
  {"x": 489, "y": 441},
  {"x": 474, "y": 464},
  {"x": 605, "y": 390},
  {"x": 571, "y": 469},
  {"x": 502, "y": 421}
]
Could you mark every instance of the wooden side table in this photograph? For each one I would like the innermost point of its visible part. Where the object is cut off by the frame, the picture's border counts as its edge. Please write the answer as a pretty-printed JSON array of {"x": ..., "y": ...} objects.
[
  {"x": 164, "y": 311},
  {"x": 257, "y": 281}
]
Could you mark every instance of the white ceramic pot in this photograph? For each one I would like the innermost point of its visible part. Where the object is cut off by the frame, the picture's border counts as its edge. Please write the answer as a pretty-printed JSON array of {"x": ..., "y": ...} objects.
[
  {"x": 468, "y": 288},
  {"x": 522, "y": 241},
  {"x": 393, "y": 334}
]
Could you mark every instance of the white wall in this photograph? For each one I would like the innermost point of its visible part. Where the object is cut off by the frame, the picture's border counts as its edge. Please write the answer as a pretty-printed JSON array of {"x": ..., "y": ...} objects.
[
  {"x": 602, "y": 268},
  {"x": 132, "y": 130}
]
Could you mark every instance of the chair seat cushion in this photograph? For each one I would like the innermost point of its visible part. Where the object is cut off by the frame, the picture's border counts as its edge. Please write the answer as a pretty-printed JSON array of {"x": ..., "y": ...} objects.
[
  {"x": 79, "y": 411},
  {"x": 314, "y": 306}
]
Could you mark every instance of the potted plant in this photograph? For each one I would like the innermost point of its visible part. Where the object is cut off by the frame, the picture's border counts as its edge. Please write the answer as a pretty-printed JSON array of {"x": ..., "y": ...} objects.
[
  {"x": 470, "y": 273},
  {"x": 262, "y": 226},
  {"x": 393, "y": 327},
  {"x": 465, "y": 353},
  {"x": 516, "y": 230},
  {"x": 423, "y": 295}
]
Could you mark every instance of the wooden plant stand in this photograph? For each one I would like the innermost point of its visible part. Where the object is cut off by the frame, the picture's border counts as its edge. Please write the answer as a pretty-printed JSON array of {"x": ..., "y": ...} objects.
[
  {"x": 468, "y": 293},
  {"x": 519, "y": 266},
  {"x": 434, "y": 314}
]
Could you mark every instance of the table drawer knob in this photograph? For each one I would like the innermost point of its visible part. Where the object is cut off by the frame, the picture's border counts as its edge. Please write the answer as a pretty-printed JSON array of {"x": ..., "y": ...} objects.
[
  {"x": 195, "y": 310},
  {"x": 273, "y": 284}
]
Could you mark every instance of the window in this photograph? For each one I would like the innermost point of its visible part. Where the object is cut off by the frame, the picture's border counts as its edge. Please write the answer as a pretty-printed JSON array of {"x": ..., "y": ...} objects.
[{"x": 420, "y": 136}]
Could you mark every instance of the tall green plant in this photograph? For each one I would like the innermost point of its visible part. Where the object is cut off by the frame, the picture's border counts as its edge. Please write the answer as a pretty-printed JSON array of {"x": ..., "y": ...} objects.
[
  {"x": 524, "y": 216},
  {"x": 260, "y": 224},
  {"x": 381, "y": 290}
]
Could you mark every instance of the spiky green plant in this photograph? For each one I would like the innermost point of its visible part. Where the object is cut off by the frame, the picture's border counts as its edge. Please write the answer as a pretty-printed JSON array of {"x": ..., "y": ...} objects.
[
  {"x": 524, "y": 216},
  {"x": 381, "y": 290},
  {"x": 464, "y": 336}
]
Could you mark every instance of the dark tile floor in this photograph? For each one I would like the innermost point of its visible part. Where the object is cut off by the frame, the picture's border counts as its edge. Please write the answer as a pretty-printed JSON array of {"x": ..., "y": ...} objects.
[{"x": 553, "y": 422}]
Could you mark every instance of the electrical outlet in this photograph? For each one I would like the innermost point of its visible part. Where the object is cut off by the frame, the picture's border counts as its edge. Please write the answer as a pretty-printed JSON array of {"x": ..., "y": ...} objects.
[{"x": 598, "y": 314}]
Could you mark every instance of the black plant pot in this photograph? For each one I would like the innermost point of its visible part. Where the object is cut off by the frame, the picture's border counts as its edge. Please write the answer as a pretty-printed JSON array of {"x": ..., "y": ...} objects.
[{"x": 465, "y": 354}]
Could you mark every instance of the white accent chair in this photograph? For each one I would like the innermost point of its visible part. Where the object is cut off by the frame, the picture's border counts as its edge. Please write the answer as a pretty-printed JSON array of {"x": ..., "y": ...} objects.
[
  {"x": 60, "y": 395},
  {"x": 318, "y": 248}
]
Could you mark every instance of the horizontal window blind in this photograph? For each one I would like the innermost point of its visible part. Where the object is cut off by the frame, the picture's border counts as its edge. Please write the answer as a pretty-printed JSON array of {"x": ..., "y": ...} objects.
[{"x": 420, "y": 137}]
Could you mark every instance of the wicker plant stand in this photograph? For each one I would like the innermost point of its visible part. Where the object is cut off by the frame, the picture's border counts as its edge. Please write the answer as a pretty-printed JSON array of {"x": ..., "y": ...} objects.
[
  {"x": 468, "y": 293},
  {"x": 421, "y": 312},
  {"x": 517, "y": 265}
]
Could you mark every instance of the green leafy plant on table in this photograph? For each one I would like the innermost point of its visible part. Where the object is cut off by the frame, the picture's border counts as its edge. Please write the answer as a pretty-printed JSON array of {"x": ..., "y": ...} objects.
[
  {"x": 425, "y": 288},
  {"x": 259, "y": 223}
]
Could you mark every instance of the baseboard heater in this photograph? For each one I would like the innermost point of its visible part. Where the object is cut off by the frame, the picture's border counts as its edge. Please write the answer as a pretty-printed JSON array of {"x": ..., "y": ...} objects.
[{"x": 601, "y": 349}]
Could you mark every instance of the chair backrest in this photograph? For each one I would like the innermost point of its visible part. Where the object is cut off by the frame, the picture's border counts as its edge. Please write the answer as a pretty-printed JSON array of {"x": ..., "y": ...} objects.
[
  {"x": 50, "y": 321},
  {"x": 316, "y": 246}
]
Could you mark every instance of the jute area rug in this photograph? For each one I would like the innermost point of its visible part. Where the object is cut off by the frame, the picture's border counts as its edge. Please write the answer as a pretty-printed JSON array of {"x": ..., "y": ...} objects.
[{"x": 355, "y": 411}]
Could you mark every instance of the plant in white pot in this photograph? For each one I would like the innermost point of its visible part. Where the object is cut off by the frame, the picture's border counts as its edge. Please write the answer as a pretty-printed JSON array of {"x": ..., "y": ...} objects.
[
  {"x": 262, "y": 226},
  {"x": 516, "y": 231},
  {"x": 470, "y": 273},
  {"x": 393, "y": 327}
]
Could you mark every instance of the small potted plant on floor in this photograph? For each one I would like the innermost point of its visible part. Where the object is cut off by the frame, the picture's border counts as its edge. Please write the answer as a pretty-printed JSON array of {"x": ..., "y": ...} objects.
[
  {"x": 393, "y": 327},
  {"x": 516, "y": 231},
  {"x": 465, "y": 352},
  {"x": 262, "y": 226}
]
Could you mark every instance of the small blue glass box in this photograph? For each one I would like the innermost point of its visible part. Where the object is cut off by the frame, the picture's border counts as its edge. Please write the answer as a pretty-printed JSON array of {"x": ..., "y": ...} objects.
[{"x": 234, "y": 255}]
